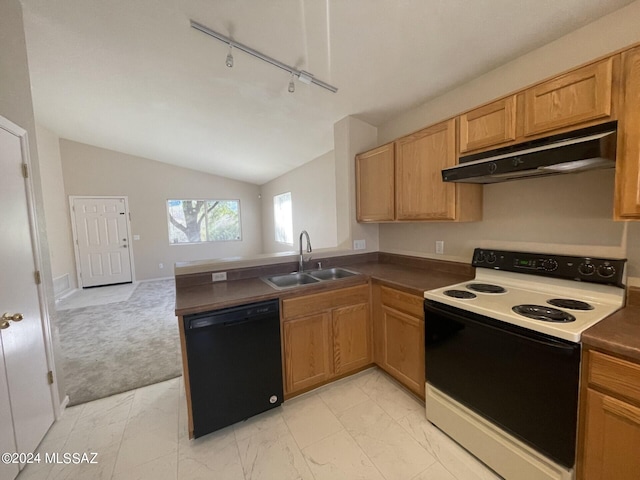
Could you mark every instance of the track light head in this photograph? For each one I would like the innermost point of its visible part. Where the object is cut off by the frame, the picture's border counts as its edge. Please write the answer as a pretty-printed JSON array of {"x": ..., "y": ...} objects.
[
  {"x": 229, "y": 61},
  {"x": 292, "y": 86}
]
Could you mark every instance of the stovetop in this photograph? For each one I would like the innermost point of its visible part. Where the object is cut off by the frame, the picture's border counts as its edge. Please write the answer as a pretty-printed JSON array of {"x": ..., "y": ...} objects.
[{"x": 515, "y": 279}]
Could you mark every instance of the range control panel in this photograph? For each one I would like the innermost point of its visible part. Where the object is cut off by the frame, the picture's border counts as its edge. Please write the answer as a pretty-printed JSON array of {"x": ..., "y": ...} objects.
[{"x": 585, "y": 269}]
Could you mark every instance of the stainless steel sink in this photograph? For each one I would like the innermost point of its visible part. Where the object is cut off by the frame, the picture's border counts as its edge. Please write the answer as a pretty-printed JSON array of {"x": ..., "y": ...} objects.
[
  {"x": 289, "y": 280},
  {"x": 332, "y": 273}
]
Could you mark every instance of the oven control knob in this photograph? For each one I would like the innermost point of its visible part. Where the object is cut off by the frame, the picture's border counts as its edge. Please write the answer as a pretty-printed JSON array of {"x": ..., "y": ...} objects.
[
  {"x": 550, "y": 265},
  {"x": 586, "y": 269},
  {"x": 480, "y": 257},
  {"x": 491, "y": 258},
  {"x": 606, "y": 270}
]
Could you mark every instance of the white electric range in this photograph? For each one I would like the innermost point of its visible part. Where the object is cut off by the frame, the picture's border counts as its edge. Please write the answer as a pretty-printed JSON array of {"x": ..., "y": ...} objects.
[{"x": 503, "y": 356}]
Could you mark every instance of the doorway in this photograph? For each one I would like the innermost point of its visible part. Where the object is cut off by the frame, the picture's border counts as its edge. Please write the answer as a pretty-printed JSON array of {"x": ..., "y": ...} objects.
[
  {"x": 26, "y": 394},
  {"x": 101, "y": 234}
]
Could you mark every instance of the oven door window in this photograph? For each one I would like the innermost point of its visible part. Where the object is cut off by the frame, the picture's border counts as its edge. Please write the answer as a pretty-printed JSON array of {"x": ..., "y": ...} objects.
[{"x": 523, "y": 381}]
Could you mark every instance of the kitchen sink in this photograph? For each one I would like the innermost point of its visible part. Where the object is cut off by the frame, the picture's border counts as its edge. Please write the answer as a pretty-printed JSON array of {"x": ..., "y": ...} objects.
[
  {"x": 331, "y": 273},
  {"x": 291, "y": 280}
]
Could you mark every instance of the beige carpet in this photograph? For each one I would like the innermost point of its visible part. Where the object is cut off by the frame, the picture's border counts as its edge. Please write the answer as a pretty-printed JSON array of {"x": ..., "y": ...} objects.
[{"x": 112, "y": 348}]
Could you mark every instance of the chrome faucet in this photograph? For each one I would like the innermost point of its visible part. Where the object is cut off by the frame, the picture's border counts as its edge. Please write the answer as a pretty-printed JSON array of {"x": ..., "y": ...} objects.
[{"x": 301, "y": 262}]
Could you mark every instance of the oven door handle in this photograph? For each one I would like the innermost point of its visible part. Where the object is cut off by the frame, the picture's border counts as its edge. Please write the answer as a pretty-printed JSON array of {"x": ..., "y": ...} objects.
[{"x": 534, "y": 337}]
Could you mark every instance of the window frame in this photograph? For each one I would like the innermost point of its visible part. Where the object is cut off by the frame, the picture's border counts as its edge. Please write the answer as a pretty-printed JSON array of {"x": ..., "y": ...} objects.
[
  {"x": 169, "y": 225},
  {"x": 275, "y": 222}
]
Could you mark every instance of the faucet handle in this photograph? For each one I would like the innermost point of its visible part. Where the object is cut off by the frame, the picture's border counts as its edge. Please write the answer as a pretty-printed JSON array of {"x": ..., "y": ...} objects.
[{"x": 319, "y": 265}]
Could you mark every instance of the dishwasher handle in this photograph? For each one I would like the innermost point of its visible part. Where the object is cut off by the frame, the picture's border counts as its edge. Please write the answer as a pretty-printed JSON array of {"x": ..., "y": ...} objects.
[{"x": 232, "y": 316}]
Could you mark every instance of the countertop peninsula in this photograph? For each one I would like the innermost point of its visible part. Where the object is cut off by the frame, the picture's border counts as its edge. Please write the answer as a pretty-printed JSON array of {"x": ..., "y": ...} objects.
[{"x": 411, "y": 274}]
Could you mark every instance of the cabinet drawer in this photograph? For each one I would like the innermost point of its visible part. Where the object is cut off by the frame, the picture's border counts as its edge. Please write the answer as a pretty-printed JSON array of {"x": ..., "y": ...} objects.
[
  {"x": 614, "y": 374},
  {"x": 488, "y": 126},
  {"x": 403, "y": 302},
  {"x": 579, "y": 96},
  {"x": 309, "y": 304}
]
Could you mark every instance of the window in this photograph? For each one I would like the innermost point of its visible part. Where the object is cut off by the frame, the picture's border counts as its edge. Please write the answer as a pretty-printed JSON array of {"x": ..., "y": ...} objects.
[
  {"x": 283, "y": 218},
  {"x": 196, "y": 221}
]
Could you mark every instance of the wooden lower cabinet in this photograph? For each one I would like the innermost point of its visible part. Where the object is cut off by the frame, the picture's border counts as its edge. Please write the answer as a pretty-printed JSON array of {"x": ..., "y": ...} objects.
[
  {"x": 612, "y": 447},
  {"x": 398, "y": 323},
  {"x": 351, "y": 338},
  {"x": 307, "y": 352},
  {"x": 609, "y": 438},
  {"x": 325, "y": 335}
]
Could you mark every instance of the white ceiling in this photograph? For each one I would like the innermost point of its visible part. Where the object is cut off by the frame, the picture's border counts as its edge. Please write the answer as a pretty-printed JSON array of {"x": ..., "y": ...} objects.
[{"x": 132, "y": 76}]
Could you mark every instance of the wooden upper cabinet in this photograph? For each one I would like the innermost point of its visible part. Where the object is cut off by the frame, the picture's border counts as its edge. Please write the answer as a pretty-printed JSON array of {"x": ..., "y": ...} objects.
[
  {"x": 488, "y": 126},
  {"x": 570, "y": 99},
  {"x": 627, "y": 198},
  {"x": 375, "y": 185},
  {"x": 420, "y": 157}
]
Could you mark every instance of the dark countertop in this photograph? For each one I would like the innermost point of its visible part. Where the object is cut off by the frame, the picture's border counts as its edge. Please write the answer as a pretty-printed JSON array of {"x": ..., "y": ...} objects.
[
  {"x": 213, "y": 296},
  {"x": 412, "y": 280},
  {"x": 618, "y": 334}
]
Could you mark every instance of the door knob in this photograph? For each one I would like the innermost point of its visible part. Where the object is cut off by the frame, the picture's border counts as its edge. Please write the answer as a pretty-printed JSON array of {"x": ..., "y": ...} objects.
[
  {"x": 4, "y": 324},
  {"x": 16, "y": 317}
]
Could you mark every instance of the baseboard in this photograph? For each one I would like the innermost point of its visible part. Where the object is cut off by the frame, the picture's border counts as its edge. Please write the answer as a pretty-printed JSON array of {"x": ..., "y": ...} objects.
[
  {"x": 62, "y": 287},
  {"x": 154, "y": 279},
  {"x": 63, "y": 406}
]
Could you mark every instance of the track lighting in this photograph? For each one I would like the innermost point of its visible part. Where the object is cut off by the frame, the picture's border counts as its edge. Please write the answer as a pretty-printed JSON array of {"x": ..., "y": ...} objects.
[
  {"x": 304, "y": 77},
  {"x": 292, "y": 86},
  {"x": 229, "y": 58}
]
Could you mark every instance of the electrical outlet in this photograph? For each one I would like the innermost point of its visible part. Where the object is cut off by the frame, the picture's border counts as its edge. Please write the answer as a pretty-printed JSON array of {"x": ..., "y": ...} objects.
[
  {"x": 439, "y": 247},
  {"x": 219, "y": 276},
  {"x": 136, "y": 237},
  {"x": 161, "y": 266},
  {"x": 359, "y": 244}
]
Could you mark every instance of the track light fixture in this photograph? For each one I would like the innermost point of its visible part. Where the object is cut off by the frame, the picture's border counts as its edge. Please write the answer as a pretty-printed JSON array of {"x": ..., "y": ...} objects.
[
  {"x": 292, "y": 86},
  {"x": 229, "y": 61},
  {"x": 304, "y": 77}
]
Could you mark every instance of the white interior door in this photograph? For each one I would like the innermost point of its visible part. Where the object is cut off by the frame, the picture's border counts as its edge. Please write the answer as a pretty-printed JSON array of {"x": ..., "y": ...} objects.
[
  {"x": 102, "y": 240},
  {"x": 22, "y": 334},
  {"x": 7, "y": 434}
]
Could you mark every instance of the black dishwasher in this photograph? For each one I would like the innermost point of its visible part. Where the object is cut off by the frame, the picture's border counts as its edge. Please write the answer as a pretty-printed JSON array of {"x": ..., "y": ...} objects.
[{"x": 235, "y": 364}]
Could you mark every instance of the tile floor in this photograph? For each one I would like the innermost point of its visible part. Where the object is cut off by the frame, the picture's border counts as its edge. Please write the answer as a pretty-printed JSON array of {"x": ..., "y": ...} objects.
[{"x": 361, "y": 427}]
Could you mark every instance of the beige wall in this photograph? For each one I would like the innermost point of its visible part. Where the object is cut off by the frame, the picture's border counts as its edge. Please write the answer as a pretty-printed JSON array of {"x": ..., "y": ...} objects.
[
  {"x": 90, "y": 170},
  {"x": 16, "y": 105},
  {"x": 313, "y": 195},
  {"x": 56, "y": 210},
  {"x": 571, "y": 213},
  {"x": 351, "y": 136}
]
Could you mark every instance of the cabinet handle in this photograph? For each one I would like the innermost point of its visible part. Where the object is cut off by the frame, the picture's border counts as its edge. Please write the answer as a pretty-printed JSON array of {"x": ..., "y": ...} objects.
[{"x": 621, "y": 409}]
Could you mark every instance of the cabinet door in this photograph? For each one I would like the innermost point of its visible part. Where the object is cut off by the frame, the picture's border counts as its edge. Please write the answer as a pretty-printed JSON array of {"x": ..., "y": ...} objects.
[
  {"x": 579, "y": 96},
  {"x": 488, "y": 126},
  {"x": 627, "y": 195},
  {"x": 420, "y": 192},
  {"x": 351, "y": 338},
  {"x": 612, "y": 442},
  {"x": 307, "y": 352},
  {"x": 375, "y": 185},
  {"x": 404, "y": 348}
]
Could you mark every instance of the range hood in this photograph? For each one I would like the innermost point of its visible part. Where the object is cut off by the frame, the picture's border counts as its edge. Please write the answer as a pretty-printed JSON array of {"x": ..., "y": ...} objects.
[{"x": 576, "y": 151}]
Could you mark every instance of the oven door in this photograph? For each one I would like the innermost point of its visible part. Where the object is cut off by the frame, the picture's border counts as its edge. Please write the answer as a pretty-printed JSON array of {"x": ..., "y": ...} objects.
[{"x": 523, "y": 381}]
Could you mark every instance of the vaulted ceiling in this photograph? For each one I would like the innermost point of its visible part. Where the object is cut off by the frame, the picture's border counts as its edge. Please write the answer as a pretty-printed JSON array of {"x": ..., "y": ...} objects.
[{"x": 132, "y": 76}]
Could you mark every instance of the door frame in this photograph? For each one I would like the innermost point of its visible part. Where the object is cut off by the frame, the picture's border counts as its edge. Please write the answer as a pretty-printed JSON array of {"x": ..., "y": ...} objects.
[
  {"x": 74, "y": 232},
  {"x": 45, "y": 319}
]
